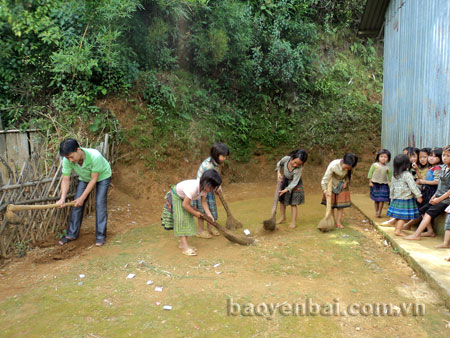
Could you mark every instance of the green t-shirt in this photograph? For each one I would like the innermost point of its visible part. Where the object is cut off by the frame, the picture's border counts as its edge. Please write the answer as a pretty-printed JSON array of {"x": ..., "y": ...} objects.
[{"x": 94, "y": 162}]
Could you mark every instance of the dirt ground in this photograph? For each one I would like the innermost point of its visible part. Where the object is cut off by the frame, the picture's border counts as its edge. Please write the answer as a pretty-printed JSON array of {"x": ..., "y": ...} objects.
[{"x": 82, "y": 291}]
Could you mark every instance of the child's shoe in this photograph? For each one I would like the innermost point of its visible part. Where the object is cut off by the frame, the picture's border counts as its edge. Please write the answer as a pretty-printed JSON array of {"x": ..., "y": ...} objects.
[
  {"x": 204, "y": 234},
  {"x": 214, "y": 232}
]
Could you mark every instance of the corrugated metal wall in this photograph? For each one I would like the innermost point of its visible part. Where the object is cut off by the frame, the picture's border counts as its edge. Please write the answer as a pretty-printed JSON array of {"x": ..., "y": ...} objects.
[{"x": 416, "y": 99}]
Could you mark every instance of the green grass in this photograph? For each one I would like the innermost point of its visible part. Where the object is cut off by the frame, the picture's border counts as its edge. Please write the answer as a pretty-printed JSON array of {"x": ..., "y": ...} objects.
[{"x": 286, "y": 266}]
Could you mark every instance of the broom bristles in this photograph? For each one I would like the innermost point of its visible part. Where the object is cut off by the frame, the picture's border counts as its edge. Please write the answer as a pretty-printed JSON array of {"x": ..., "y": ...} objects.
[
  {"x": 228, "y": 235},
  {"x": 326, "y": 224},
  {"x": 232, "y": 223},
  {"x": 11, "y": 217},
  {"x": 269, "y": 224}
]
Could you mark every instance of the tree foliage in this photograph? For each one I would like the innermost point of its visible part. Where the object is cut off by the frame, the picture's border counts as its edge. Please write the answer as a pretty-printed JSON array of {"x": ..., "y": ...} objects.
[
  {"x": 60, "y": 55},
  {"x": 247, "y": 72}
]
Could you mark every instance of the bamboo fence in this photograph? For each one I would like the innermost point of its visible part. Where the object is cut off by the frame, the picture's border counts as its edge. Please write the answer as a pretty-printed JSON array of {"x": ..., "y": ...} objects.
[{"x": 37, "y": 181}]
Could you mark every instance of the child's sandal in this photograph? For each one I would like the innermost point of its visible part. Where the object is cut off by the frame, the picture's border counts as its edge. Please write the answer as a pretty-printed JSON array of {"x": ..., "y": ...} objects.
[
  {"x": 204, "y": 234},
  {"x": 189, "y": 252},
  {"x": 214, "y": 232}
]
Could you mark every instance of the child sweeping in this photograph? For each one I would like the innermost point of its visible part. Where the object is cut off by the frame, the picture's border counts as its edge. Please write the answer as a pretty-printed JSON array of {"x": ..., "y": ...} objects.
[
  {"x": 217, "y": 156},
  {"x": 178, "y": 212},
  {"x": 340, "y": 172},
  {"x": 290, "y": 170},
  {"x": 404, "y": 192},
  {"x": 379, "y": 178}
]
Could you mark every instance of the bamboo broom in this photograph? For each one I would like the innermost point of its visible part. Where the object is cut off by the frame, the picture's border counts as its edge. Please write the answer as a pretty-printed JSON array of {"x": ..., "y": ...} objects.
[
  {"x": 231, "y": 223},
  {"x": 12, "y": 218},
  {"x": 327, "y": 223},
  {"x": 228, "y": 234}
]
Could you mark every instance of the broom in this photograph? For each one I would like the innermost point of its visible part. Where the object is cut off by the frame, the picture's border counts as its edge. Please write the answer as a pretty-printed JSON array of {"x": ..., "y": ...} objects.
[
  {"x": 227, "y": 234},
  {"x": 12, "y": 218},
  {"x": 327, "y": 223},
  {"x": 270, "y": 224},
  {"x": 231, "y": 223}
]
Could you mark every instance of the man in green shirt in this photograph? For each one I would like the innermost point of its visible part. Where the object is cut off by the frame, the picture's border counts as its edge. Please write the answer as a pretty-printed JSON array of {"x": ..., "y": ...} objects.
[{"x": 93, "y": 171}]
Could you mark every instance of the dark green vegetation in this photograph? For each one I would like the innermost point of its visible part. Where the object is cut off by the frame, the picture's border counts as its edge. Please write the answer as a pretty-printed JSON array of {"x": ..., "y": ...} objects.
[{"x": 254, "y": 74}]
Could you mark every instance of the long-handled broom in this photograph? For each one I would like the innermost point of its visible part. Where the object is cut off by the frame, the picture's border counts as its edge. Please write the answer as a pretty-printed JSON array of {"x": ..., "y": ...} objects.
[
  {"x": 227, "y": 234},
  {"x": 231, "y": 223},
  {"x": 12, "y": 218},
  {"x": 327, "y": 223},
  {"x": 270, "y": 224}
]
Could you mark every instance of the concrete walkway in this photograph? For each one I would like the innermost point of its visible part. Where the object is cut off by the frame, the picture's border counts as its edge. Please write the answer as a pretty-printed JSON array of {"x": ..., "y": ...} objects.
[{"x": 420, "y": 255}]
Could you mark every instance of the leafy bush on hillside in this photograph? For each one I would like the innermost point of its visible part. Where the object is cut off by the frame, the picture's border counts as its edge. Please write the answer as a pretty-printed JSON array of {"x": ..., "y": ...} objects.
[{"x": 256, "y": 73}]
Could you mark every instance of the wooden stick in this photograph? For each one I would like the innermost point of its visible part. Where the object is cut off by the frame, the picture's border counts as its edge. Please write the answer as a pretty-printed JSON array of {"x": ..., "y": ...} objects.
[{"x": 14, "y": 207}]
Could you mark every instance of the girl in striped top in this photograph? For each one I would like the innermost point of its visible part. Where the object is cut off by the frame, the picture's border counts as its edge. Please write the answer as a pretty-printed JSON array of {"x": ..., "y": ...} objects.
[{"x": 217, "y": 156}]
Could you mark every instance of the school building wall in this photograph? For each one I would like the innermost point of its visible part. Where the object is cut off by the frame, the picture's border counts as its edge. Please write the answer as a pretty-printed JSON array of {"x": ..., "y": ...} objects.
[{"x": 416, "y": 93}]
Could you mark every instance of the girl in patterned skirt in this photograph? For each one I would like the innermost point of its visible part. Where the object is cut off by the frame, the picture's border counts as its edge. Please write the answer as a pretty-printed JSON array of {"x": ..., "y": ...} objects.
[
  {"x": 379, "y": 178},
  {"x": 404, "y": 192},
  {"x": 290, "y": 170},
  {"x": 340, "y": 172},
  {"x": 178, "y": 213},
  {"x": 217, "y": 156}
]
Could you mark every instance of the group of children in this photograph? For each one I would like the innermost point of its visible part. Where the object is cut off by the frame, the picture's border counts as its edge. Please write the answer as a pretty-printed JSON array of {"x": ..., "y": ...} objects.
[
  {"x": 195, "y": 198},
  {"x": 419, "y": 190}
]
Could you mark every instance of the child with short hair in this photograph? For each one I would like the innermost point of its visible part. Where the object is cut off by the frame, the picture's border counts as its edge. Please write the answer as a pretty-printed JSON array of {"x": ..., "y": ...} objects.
[
  {"x": 217, "y": 156},
  {"x": 178, "y": 213},
  {"x": 438, "y": 202},
  {"x": 289, "y": 170},
  {"x": 403, "y": 190},
  {"x": 413, "y": 154},
  {"x": 379, "y": 177},
  {"x": 340, "y": 172}
]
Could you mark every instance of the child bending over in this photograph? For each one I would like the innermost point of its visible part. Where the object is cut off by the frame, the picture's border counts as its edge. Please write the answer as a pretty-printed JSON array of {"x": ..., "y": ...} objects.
[
  {"x": 340, "y": 172},
  {"x": 290, "y": 170},
  {"x": 178, "y": 213}
]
